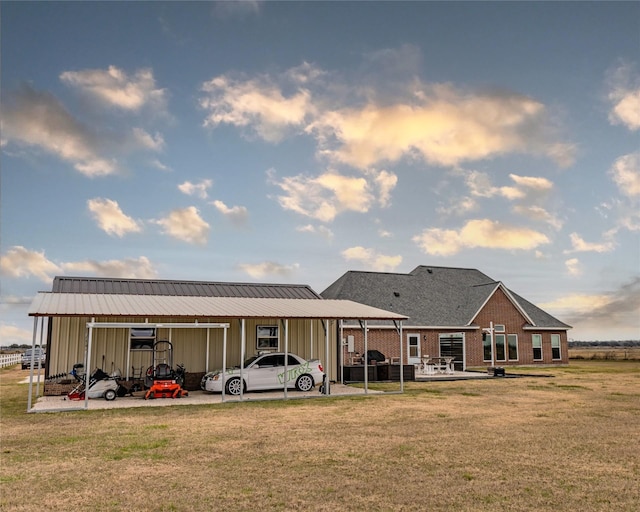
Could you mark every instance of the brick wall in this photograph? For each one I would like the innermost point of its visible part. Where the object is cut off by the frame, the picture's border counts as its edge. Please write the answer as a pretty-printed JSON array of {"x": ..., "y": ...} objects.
[{"x": 499, "y": 310}]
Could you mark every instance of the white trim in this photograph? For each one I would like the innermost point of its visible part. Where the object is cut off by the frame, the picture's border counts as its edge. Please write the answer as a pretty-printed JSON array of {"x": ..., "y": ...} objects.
[{"x": 511, "y": 299}]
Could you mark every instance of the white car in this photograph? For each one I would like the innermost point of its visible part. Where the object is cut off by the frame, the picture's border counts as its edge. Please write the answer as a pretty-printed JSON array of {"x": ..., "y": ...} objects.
[{"x": 266, "y": 371}]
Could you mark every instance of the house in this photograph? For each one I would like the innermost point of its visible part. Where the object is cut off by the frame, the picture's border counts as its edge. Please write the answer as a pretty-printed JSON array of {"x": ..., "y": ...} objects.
[
  {"x": 113, "y": 324},
  {"x": 453, "y": 312}
]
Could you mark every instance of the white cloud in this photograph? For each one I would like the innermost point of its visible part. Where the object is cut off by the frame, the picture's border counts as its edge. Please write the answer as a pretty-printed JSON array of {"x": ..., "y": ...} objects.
[
  {"x": 574, "y": 267},
  {"x": 438, "y": 123},
  {"x": 10, "y": 334},
  {"x": 185, "y": 224},
  {"x": 624, "y": 96},
  {"x": 372, "y": 259},
  {"x": 38, "y": 119},
  {"x": 115, "y": 88},
  {"x": 260, "y": 270},
  {"x": 21, "y": 262},
  {"x": 482, "y": 233},
  {"x": 325, "y": 196},
  {"x": 196, "y": 189},
  {"x": 259, "y": 104},
  {"x": 324, "y": 231},
  {"x": 445, "y": 127},
  {"x": 148, "y": 141},
  {"x": 578, "y": 244},
  {"x": 111, "y": 219},
  {"x": 626, "y": 174},
  {"x": 128, "y": 268},
  {"x": 238, "y": 215}
]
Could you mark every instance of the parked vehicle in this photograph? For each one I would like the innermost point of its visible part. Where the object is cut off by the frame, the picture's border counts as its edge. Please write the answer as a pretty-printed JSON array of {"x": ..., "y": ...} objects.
[
  {"x": 266, "y": 371},
  {"x": 101, "y": 384},
  {"x": 38, "y": 356}
]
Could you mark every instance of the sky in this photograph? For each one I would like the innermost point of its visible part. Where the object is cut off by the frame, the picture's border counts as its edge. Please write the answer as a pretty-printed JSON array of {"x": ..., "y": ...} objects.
[{"x": 291, "y": 142}]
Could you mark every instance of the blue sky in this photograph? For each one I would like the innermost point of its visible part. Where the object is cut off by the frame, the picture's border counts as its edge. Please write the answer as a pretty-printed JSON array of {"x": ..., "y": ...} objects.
[{"x": 294, "y": 141}]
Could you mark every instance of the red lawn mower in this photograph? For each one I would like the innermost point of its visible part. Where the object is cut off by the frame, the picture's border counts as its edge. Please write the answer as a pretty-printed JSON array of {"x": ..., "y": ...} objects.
[{"x": 161, "y": 379}]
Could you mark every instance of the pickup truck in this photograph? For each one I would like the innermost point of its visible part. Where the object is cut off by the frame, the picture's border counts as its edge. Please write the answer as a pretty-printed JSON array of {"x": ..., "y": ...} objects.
[{"x": 39, "y": 356}]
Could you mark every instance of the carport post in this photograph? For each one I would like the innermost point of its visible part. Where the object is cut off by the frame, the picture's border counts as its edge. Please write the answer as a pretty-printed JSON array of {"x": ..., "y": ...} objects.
[
  {"x": 286, "y": 356},
  {"x": 87, "y": 369},
  {"x": 206, "y": 361},
  {"x": 33, "y": 346},
  {"x": 39, "y": 358},
  {"x": 327, "y": 380},
  {"x": 401, "y": 362},
  {"x": 366, "y": 363}
]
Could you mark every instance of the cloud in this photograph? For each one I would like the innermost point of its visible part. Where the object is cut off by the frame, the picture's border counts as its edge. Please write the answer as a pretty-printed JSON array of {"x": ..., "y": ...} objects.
[
  {"x": 226, "y": 10},
  {"x": 625, "y": 172},
  {"x": 604, "y": 311},
  {"x": 128, "y": 268},
  {"x": 259, "y": 104},
  {"x": 624, "y": 95},
  {"x": 21, "y": 262},
  {"x": 260, "y": 270},
  {"x": 325, "y": 196},
  {"x": 34, "y": 118},
  {"x": 113, "y": 87},
  {"x": 324, "y": 231},
  {"x": 578, "y": 244},
  {"x": 148, "y": 141},
  {"x": 10, "y": 334},
  {"x": 111, "y": 219},
  {"x": 382, "y": 123},
  {"x": 238, "y": 215},
  {"x": 482, "y": 233},
  {"x": 444, "y": 127},
  {"x": 372, "y": 259},
  {"x": 196, "y": 189},
  {"x": 185, "y": 224},
  {"x": 574, "y": 267}
]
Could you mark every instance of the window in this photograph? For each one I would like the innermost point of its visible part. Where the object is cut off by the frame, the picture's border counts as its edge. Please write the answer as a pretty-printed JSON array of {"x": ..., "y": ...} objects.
[
  {"x": 267, "y": 337},
  {"x": 499, "y": 328},
  {"x": 512, "y": 341},
  {"x": 536, "y": 343},
  {"x": 501, "y": 352},
  {"x": 555, "y": 346},
  {"x": 486, "y": 346},
  {"x": 142, "y": 338}
]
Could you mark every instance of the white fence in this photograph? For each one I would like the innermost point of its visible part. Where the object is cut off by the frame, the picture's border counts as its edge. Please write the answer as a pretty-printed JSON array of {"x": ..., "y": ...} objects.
[{"x": 9, "y": 359}]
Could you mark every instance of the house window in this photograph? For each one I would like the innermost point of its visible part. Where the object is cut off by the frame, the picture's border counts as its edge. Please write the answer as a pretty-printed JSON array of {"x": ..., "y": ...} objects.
[
  {"x": 512, "y": 341},
  {"x": 267, "y": 337},
  {"x": 142, "y": 338},
  {"x": 555, "y": 346},
  {"x": 486, "y": 346},
  {"x": 536, "y": 343},
  {"x": 501, "y": 352},
  {"x": 499, "y": 328}
]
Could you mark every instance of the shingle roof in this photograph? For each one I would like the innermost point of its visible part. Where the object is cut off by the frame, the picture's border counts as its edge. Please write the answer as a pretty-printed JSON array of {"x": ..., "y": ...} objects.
[
  {"x": 64, "y": 284},
  {"x": 431, "y": 296}
]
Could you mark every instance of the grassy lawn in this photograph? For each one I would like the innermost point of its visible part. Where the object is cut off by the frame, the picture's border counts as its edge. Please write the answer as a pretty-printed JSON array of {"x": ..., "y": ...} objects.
[{"x": 570, "y": 442}]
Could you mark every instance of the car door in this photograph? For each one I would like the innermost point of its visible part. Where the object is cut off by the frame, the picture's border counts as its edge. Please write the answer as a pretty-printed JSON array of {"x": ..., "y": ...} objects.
[{"x": 264, "y": 373}]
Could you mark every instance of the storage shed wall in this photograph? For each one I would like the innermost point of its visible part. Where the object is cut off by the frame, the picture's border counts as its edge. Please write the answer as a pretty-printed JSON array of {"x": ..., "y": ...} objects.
[{"x": 111, "y": 345}]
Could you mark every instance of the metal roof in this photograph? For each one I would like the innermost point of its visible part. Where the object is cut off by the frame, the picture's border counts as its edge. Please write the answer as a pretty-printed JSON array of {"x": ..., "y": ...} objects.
[
  {"x": 101, "y": 305},
  {"x": 107, "y": 285}
]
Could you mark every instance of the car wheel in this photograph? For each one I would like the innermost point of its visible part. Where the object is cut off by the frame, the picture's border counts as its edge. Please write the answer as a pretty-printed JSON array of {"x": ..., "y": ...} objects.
[
  {"x": 234, "y": 386},
  {"x": 109, "y": 395},
  {"x": 305, "y": 383}
]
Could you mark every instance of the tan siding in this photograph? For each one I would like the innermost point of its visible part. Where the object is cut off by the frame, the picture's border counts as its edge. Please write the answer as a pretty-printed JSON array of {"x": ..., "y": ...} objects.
[{"x": 111, "y": 345}]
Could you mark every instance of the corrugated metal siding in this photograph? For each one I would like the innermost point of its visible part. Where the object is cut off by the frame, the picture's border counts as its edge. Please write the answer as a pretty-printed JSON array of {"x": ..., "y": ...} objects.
[{"x": 110, "y": 345}]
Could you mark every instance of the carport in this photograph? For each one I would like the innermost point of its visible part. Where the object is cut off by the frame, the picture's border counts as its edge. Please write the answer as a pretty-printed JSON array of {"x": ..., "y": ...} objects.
[{"x": 120, "y": 308}]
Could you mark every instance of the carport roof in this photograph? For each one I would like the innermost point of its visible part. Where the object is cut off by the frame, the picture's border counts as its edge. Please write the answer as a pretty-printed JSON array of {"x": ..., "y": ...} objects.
[{"x": 127, "y": 305}]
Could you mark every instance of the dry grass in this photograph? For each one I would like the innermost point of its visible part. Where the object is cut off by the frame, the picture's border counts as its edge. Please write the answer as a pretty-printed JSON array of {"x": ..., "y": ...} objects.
[
  {"x": 570, "y": 442},
  {"x": 609, "y": 353}
]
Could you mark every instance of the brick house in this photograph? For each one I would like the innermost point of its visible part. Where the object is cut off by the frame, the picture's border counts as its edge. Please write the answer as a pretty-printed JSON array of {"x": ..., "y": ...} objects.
[{"x": 453, "y": 312}]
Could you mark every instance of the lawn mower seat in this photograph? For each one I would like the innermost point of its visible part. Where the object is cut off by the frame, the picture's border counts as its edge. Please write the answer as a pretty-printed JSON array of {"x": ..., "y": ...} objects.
[{"x": 163, "y": 372}]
